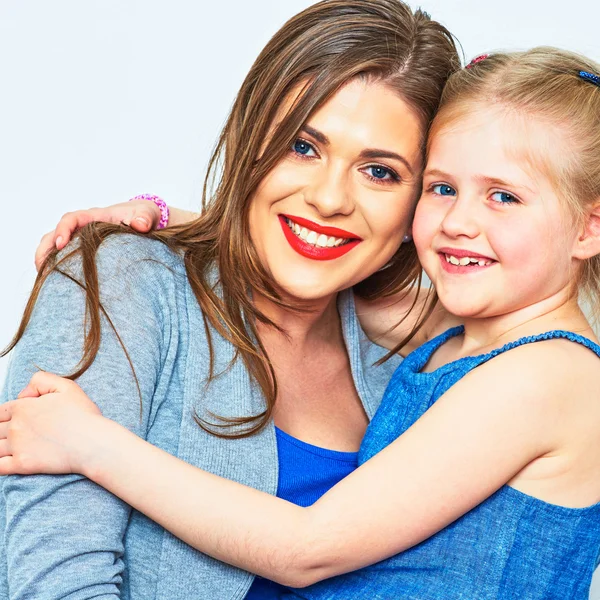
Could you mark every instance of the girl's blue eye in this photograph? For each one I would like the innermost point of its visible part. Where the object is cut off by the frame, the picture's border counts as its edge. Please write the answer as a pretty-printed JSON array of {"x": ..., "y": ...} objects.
[
  {"x": 504, "y": 197},
  {"x": 443, "y": 190},
  {"x": 379, "y": 172},
  {"x": 303, "y": 147}
]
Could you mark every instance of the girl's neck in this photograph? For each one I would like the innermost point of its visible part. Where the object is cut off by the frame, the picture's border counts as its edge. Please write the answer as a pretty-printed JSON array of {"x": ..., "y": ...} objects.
[{"x": 560, "y": 311}]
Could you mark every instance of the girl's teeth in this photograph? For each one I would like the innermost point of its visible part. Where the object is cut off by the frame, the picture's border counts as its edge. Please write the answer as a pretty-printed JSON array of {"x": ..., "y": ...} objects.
[
  {"x": 322, "y": 241},
  {"x": 466, "y": 260},
  {"x": 297, "y": 228},
  {"x": 330, "y": 242},
  {"x": 303, "y": 233}
]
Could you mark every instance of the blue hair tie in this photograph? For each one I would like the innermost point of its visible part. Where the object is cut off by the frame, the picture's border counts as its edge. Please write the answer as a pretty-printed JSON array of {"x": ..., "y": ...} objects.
[{"x": 595, "y": 79}]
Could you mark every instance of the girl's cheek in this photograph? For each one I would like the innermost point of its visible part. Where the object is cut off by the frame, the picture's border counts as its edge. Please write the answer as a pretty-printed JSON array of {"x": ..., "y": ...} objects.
[{"x": 425, "y": 225}]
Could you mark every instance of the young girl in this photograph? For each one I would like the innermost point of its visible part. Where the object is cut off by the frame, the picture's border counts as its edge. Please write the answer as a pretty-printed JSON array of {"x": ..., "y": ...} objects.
[{"x": 481, "y": 468}]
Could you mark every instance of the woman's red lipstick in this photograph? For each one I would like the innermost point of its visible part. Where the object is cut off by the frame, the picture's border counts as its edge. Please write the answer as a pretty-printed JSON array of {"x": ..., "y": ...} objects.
[{"x": 317, "y": 252}]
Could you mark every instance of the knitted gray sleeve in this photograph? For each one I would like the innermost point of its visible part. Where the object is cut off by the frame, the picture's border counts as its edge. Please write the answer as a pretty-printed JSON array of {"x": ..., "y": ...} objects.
[{"x": 63, "y": 535}]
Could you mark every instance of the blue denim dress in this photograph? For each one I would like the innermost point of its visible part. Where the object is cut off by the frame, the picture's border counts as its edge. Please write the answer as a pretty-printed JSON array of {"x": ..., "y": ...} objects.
[{"x": 511, "y": 547}]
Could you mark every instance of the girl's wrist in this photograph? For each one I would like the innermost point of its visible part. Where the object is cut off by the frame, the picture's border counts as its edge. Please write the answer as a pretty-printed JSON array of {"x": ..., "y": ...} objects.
[
  {"x": 93, "y": 449},
  {"x": 163, "y": 209}
]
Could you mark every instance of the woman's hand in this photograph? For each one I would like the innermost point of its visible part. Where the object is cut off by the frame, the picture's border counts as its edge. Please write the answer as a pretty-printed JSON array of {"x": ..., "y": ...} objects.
[
  {"x": 48, "y": 429},
  {"x": 140, "y": 215}
]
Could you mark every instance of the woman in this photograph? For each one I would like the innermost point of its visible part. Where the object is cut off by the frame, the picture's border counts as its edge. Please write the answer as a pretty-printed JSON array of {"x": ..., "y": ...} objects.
[{"x": 190, "y": 342}]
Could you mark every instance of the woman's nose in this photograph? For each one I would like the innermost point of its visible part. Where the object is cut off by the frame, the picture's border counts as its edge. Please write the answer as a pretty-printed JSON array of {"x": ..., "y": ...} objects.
[{"x": 331, "y": 194}]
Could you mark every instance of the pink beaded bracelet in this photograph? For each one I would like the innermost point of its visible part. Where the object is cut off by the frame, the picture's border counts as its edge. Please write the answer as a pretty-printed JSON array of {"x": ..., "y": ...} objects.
[{"x": 162, "y": 205}]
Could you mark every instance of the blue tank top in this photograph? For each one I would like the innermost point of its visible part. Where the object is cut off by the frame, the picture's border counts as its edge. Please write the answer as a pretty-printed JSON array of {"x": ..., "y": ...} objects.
[
  {"x": 512, "y": 546},
  {"x": 306, "y": 472}
]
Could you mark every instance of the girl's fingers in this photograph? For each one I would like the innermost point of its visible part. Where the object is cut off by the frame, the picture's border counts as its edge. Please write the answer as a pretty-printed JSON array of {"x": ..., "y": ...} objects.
[
  {"x": 6, "y": 411},
  {"x": 45, "y": 246},
  {"x": 69, "y": 224},
  {"x": 7, "y": 466},
  {"x": 45, "y": 383},
  {"x": 141, "y": 215},
  {"x": 28, "y": 392},
  {"x": 4, "y": 448}
]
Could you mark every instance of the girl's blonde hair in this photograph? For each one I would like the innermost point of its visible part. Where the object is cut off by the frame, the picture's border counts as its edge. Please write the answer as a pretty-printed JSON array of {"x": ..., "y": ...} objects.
[{"x": 543, "y": 84}]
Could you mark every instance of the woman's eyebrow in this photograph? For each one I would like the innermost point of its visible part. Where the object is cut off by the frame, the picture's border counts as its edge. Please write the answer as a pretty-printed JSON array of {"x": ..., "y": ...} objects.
[
  {"x": 367, "y": 153},
  {"x": 373, "y": 153},
  {"x": 320, "y": 137}
]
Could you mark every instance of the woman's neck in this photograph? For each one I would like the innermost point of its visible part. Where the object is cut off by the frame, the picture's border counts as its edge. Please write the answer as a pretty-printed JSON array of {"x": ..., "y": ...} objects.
[{"x": 316, "y": 321}]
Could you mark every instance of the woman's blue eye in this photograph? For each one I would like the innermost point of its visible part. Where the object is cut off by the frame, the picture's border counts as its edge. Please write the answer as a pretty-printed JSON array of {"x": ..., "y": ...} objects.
[
  {"x": 303, "y": 147},
  {"x": 443, "y": 190},
  {"x": 504, "y": 197},
  {"x": 379, "y": 172}
]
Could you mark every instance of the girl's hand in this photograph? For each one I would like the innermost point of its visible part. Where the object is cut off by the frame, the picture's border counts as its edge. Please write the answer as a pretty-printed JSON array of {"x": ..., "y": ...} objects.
[
  {"x": 47, "y": 429},
  {"x": 140, "y": 215}
]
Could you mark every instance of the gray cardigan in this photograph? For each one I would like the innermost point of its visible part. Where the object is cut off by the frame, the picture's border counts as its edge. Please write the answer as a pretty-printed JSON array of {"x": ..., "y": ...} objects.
[{"x": 64, "y": 536}]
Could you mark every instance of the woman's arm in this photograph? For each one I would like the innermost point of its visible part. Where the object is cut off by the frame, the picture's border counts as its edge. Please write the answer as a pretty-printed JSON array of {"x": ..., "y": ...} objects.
[
  {"x": 473, "y": 440},
  {"x": 63, "y": 535},
  {"x": 140, "y": 215}
]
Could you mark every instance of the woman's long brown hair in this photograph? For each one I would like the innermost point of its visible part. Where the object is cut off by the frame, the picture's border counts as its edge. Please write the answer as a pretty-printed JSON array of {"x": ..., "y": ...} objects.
[{"x": 319, "y": 50}]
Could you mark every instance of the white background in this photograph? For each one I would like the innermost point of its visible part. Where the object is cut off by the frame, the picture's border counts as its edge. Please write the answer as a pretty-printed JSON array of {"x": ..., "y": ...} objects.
[{"x": 104, "y": 99}]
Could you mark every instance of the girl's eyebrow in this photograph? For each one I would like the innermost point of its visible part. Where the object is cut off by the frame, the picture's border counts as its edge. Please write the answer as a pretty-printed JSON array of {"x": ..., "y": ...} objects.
[
  {"x": 367, "y": 153},
  {"x": 501, "y": 183},
  {"x": 436, "y": 173}
]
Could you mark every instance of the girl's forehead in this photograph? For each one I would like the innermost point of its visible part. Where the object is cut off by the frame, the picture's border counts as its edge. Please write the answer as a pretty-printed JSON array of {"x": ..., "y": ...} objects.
[{"x": 496, "y": 138}]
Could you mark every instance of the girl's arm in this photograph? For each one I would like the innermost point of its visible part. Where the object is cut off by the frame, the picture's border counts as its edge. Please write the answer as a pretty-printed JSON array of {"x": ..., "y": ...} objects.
[
  {"x": 382, "y": 320},
  {"x": 474, "y": 439},
  {"x": 141, "y": 215}
]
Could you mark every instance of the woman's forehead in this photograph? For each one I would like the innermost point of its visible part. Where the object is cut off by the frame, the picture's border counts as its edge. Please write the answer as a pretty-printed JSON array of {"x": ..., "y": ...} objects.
[{"x": 366, "y": 113}]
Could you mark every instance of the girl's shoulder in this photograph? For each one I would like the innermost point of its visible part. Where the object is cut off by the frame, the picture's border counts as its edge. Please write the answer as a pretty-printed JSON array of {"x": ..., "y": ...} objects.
[{"x": 550, "y": 370}]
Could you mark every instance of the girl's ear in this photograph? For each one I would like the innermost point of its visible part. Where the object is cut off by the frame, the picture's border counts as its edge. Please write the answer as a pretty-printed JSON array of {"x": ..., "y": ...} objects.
[{"x": 588, "y": 242}]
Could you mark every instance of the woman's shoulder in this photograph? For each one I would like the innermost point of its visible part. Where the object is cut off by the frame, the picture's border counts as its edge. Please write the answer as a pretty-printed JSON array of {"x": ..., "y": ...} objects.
[
  {"x": 388, "y": 320},
  {"x": 127, "y": 249},
  {"x": 125, "y": 258}
]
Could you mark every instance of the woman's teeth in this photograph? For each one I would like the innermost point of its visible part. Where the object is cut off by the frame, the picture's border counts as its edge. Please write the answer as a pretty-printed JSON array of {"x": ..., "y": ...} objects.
[
  {"x": 467, "y": 260},
  {"x": 313, "y": 238}
]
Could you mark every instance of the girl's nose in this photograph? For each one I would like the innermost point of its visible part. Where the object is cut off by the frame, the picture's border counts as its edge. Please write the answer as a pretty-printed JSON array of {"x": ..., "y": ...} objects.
[{"x": 461, "y": 219}]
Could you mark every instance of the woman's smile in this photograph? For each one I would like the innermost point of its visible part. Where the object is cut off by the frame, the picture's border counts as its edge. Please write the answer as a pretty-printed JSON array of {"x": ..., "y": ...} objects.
[{"x": 315, "y": 241}]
